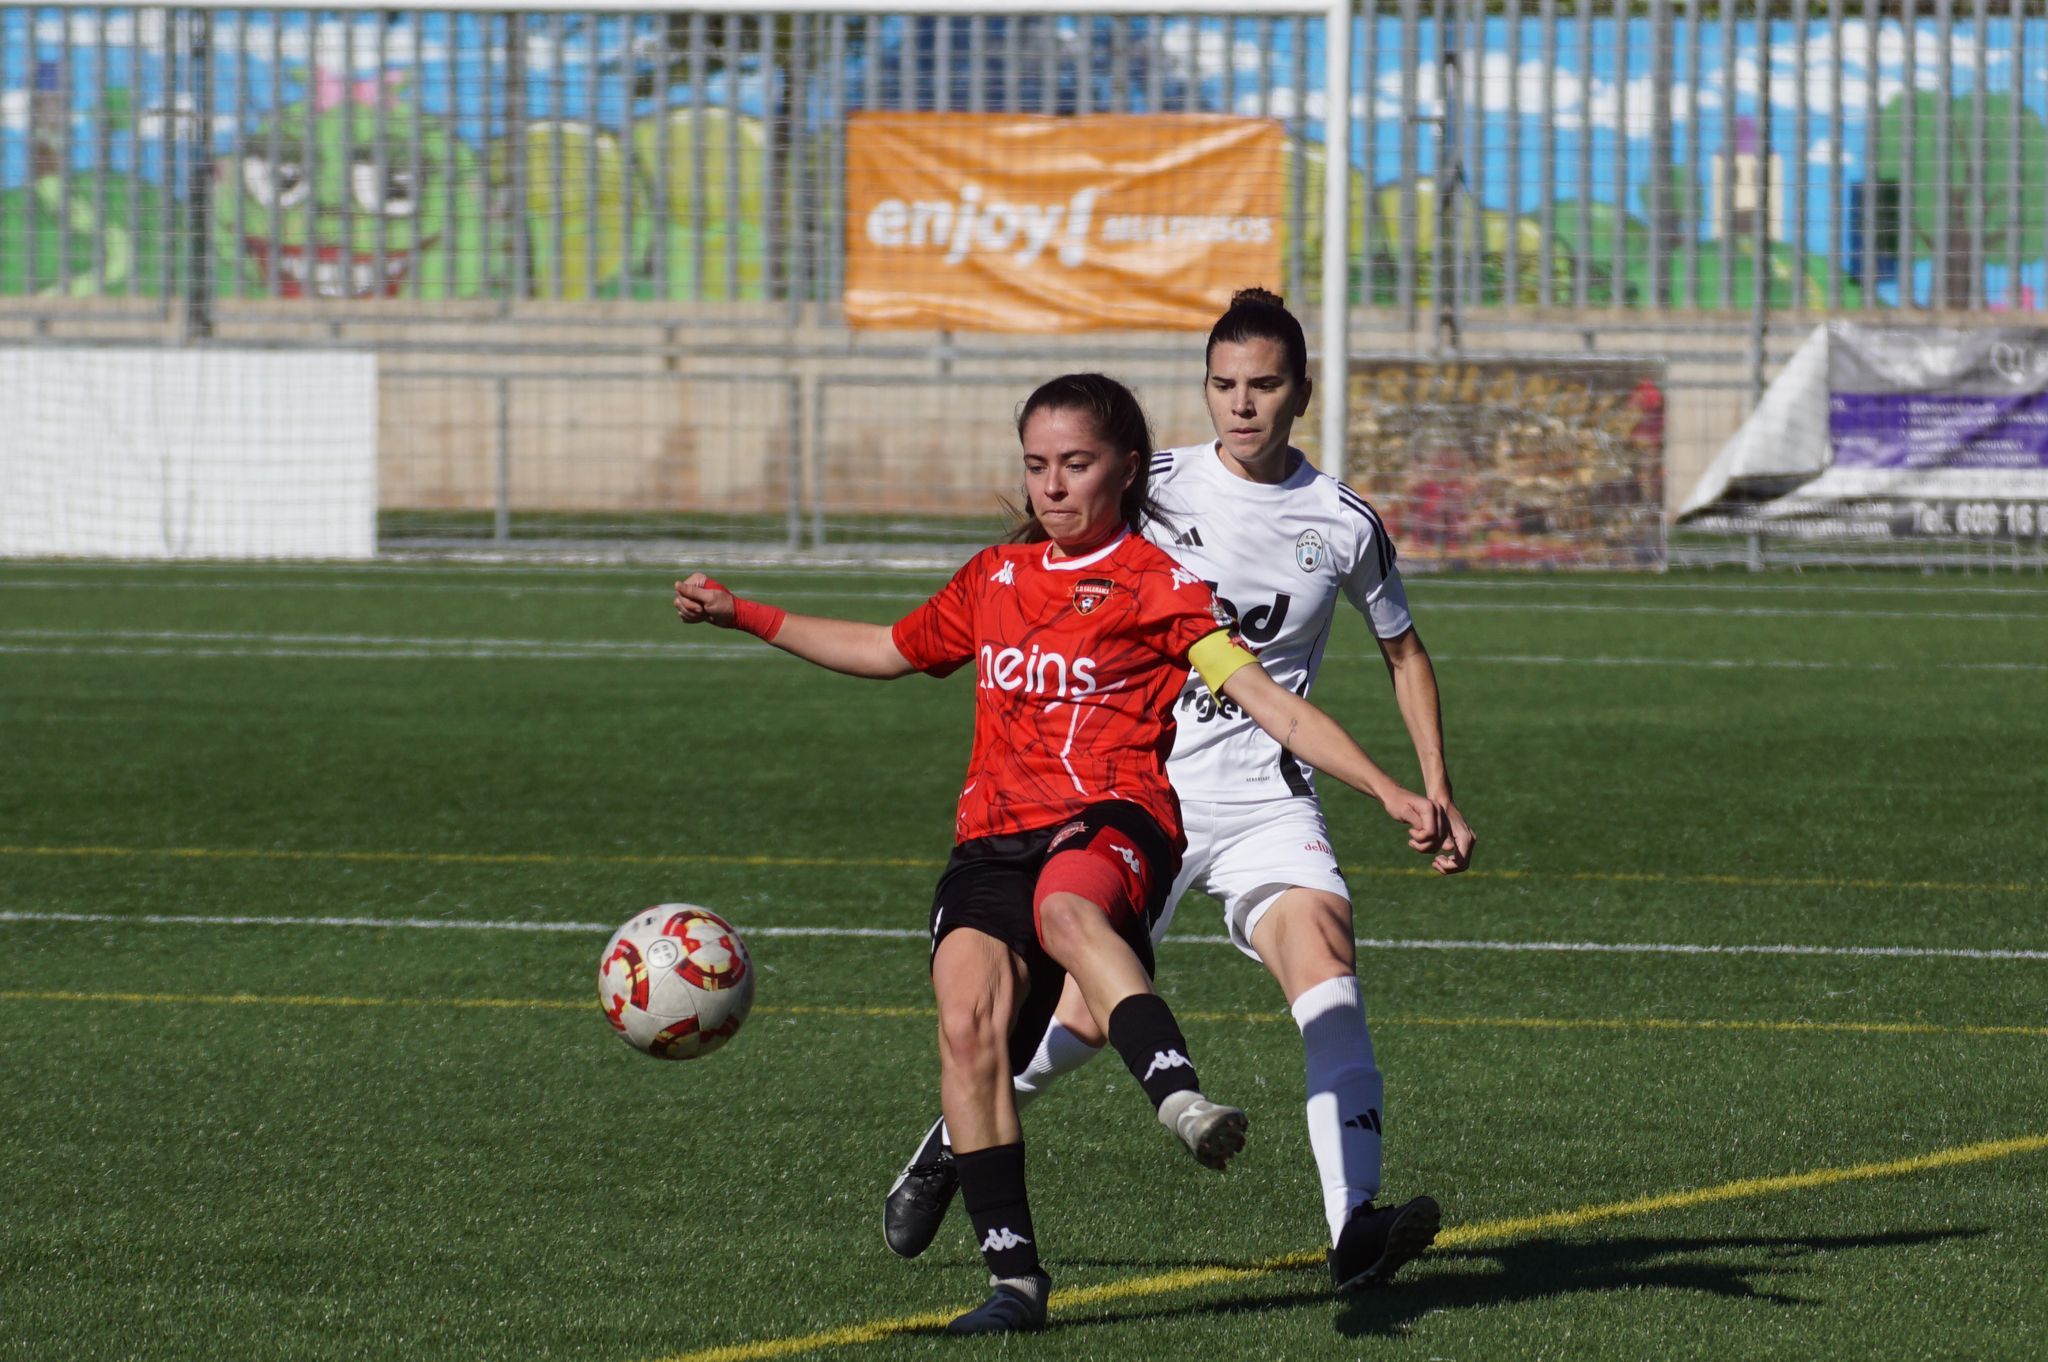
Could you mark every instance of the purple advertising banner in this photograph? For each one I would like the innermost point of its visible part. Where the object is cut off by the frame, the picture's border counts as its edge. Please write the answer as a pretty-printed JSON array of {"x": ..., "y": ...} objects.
[{"x": 1928, "y": 430}]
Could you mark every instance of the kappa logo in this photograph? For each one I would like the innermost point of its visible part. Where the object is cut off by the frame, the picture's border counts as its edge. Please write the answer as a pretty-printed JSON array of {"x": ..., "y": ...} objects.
[
  {"x": 1003, "y": 1237},
  {"x": 1131, "y": 860},
  {"x": 1368, "y": 1120},
  {"x": 1006, "y": 574},
  {"x": 1091, "y": 592},
  {"x": 1182, "y": 577},
  {"x": 1191, "y": 538},
  {"x": 1309, "y": 551},
  {"x": 1167, "y": 1059}
]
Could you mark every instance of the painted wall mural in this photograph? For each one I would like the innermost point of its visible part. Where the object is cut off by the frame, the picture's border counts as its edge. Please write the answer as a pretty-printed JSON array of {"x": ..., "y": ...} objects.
[
  {"x": 353, "y": 160},
  {"x": 578, "y": 157}
]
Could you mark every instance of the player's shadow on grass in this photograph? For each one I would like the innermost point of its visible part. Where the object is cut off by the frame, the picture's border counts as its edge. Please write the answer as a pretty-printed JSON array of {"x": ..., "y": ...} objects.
[{"x": 1735, "y": 1266}]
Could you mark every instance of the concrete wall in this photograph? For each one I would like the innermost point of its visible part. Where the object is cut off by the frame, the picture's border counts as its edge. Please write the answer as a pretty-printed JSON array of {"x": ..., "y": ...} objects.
[{"x": 600, "y": 408}]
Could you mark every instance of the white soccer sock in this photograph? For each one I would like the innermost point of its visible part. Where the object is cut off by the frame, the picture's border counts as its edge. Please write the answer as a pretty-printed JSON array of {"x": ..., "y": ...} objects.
[
  {"x": 1344, "y": 1091},
  {"x": 1061, "y": 1052}
]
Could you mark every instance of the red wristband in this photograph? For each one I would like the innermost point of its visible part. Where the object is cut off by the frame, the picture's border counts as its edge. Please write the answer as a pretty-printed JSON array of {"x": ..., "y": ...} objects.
[{"x": 762, "y": 621}]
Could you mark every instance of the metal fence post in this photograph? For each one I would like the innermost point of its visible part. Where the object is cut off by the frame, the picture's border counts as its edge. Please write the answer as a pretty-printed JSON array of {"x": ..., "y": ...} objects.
[
  {"x": 794, "y": 530},
  {"x": 501, "y": 520},
  {"x": 199, "y": 186},
  {"x": 1334, "y": 377}
]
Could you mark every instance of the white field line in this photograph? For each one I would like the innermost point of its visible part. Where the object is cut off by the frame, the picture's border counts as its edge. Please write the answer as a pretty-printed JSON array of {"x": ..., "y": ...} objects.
[
  {"x": 369, "y": 640},
  {"x": 654, "y": 587},
  {"x": 656, "y": 591},
  {"x": 910, "y": 934},
  {"x": 1731, "y": 663},
  {"x": 1728, "y": 612},
  {"x": 404, "y": 575},
  {"x": 374, "y": 647}
]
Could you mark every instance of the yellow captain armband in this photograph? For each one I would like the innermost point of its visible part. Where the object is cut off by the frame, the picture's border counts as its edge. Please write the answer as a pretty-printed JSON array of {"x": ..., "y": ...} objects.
[{"x": 1217, "y": 657}]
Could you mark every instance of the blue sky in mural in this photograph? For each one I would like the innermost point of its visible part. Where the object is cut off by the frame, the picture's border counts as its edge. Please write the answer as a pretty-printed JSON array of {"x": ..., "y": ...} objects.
[{"x": 586, "y": 70}]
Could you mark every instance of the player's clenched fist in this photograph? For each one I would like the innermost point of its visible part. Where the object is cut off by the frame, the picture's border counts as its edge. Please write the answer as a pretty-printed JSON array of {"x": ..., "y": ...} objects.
[
  {"x": 1424, "y": 820},
  {"x": 1458, "y": 840},
  {"x": 699, "y": 600}
]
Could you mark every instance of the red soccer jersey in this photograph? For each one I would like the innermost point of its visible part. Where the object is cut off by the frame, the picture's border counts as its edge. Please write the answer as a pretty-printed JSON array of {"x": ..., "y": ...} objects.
[{"x": 1077, "y": 664}]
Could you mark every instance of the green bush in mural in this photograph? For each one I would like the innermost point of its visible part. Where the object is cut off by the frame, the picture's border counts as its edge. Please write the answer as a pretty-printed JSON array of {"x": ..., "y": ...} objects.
[
  {"x": 561, "y": 188},
  {"x": 714, "y": 207},
  {"x": 599, "y": 218},
  {"x": 100, "y": 235}
]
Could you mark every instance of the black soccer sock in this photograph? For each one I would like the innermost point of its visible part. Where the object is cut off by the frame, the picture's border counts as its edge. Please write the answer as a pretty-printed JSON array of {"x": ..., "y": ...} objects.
[
  {"x": 992, "y": 1189},
  {"x": 1143, "y": 1030}
]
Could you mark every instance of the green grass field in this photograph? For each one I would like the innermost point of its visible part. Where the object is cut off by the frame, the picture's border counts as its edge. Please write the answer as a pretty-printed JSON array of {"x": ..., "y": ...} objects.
[{"x": 304, "y": 872}]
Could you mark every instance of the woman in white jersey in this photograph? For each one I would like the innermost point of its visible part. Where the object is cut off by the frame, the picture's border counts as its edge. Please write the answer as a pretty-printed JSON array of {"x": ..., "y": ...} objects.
[{"x": 1279, "y": 542}]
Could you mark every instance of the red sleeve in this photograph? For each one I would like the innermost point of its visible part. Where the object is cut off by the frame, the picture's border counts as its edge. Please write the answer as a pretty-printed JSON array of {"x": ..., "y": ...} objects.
[
  {"x": 1182, "y": 611},
  {"x": 938, "y": 636}
]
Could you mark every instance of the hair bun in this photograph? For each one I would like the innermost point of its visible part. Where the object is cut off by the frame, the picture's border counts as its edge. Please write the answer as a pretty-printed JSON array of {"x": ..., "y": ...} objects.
[{"x": 1256, "y": 295}]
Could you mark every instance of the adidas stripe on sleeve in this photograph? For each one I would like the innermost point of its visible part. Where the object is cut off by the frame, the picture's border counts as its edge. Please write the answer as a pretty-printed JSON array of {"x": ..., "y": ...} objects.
[{"x": 1373, "y": 583}]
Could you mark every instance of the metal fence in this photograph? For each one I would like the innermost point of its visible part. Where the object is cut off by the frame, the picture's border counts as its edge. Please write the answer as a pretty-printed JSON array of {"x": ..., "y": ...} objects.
[
  {"x": 1645, "y": 158},
  {"x": 489, "y": 199}
]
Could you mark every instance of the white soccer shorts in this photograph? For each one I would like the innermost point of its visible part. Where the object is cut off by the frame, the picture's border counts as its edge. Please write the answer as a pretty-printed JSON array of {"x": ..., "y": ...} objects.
[{"x": 1247, "y": 855}]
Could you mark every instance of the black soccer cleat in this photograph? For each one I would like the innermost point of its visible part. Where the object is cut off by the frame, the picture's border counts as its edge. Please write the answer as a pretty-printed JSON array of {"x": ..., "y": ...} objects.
[
  {"x": 1016, "y": 1307},
  {"x": 1379, "y": 1241},
  {"x": 916, "y": 1204}
]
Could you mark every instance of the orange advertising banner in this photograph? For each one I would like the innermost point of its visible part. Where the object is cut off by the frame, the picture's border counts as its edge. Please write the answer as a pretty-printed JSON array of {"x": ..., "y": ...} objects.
[{"x": 1006, "y": 222}]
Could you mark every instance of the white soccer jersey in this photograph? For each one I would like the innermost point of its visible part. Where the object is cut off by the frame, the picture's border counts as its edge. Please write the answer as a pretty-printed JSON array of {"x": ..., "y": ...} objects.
[{"x": 1277, "y": 557}]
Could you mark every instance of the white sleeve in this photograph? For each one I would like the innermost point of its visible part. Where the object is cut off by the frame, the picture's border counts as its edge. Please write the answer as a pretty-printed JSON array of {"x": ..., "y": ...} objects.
[{"x": 1374, "y": 584}]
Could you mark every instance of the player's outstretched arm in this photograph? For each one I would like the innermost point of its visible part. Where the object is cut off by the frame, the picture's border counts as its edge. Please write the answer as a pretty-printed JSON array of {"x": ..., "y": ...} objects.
[
  {"x": 850, "y": 646},
  {"x": 1308, "y": 733},
  {"x": 1415, "y": 692}
]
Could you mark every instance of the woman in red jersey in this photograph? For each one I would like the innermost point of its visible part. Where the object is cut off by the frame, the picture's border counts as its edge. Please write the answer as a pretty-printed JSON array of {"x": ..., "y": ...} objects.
[{"x": 1068, "y": 834}]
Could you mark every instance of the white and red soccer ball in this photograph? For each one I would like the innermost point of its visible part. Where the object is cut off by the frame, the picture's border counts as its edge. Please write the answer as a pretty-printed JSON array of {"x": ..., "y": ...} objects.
[{"x": 675, "y": 981}]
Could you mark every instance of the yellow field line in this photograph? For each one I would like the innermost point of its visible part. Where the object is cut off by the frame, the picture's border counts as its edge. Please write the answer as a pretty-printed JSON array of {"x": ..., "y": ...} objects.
[
  {"x": 1456, "y": 1236},
  {"x": 542, "y": 858},
  {"x": 1783, "y": 1027}
]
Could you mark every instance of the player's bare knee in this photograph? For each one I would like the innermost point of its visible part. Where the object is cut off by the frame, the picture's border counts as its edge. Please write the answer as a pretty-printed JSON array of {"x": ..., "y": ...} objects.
[
  {"x": 970, "y": 1035},
  {"x": 1065, "y": 923}
]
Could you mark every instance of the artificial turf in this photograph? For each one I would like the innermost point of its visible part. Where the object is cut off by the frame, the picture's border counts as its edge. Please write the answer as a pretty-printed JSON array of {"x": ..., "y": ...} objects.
[{"x": 302, "y": 1139}]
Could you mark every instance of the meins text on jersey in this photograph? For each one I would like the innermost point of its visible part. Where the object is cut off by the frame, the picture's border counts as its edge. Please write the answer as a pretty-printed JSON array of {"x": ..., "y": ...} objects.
[{"x": 1037, "y": 672}]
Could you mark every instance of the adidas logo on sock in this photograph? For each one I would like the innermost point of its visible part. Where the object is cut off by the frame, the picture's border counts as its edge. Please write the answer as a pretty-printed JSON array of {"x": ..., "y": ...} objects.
[
  {"x": 1369, "y": 1119},
  {"x": 1167, "y": 1059},
  {"x": 1003, "y": 1237}
]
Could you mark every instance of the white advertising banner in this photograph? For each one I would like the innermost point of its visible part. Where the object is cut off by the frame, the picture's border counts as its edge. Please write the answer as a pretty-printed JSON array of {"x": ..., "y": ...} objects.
[
  {"x": 1892, "y": 433},
  {"x": 132, "y": 452}
]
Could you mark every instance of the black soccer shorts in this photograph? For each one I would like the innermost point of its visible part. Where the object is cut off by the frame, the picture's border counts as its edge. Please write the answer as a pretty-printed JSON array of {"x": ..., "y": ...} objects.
[{"x": 990, "y": 883}]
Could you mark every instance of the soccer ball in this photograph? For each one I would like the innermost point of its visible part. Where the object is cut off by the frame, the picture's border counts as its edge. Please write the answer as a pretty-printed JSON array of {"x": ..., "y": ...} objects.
[{"x": 675, "y": 981}]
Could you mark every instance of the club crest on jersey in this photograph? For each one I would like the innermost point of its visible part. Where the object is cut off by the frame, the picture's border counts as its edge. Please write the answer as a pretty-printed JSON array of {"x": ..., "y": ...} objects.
[
  {"x": 1090, "y": 592},
  {"x": 1308, "y": 551}
]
